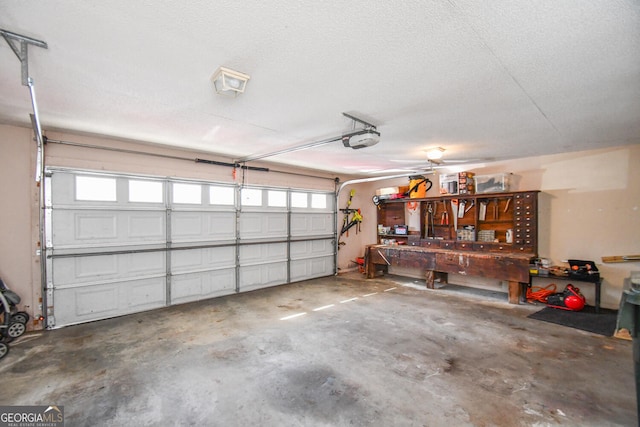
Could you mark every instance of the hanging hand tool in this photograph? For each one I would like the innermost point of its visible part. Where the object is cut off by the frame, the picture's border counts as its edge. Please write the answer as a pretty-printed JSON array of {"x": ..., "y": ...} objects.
[
  {"x": 347, "y": 211},
  {"x": 432, "y": 214},
  {"x": 495, "y": 208},
  {"x": 433, "y": 227},
  {"x": 424, "y": 232},
  {"x": 473, "y": 203},
  {"x": 356, "y": 219},
  {"x": 444, "y": 220},
  {"x": 482, "y": 213},
  {"x": 454, "y": 210},
  {"x": 620, "y": 258},
  {"x": 428, "y": 217},
  {"x": 461, "y": 207},
  {"x": 506, "y": 205}
]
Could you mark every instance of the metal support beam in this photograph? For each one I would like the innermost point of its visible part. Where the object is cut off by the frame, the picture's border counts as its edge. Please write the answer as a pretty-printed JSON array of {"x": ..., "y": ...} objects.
[
  {"x": 20, "y": 46},
  {"x": 250, "y": 158},
  {"x": 287, "y": 150}
]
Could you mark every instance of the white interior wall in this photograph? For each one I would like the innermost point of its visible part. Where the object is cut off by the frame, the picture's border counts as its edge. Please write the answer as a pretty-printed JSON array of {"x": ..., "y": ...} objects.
[{"x": 19, "y": 264}]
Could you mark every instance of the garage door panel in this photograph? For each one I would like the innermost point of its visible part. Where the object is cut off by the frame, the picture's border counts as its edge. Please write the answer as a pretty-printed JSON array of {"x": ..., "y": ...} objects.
[
  {"x": 263, "y": 253},
  {"x": 143, "y": 294},
  {"x": 75, "y": 270},
  {"x": 90, "y": 269},
  {"x": 146, "y": 225},
  {"x": 84, "y": 304},
  {"x": 221, "y": 225},
  {"x": 144, "y": 263},
  {"x": 197, "y": 286},
  {"x": 189, "y": 260},
  {"x": 312, "y": 258},
  {"x": 262, "y": 276},
  {"x": 77, "y": 228},
  {"x": 92, "y": 225},
  {"x": 309, "y": 268},
  {"x": 311, "y": 224},
  {"x": 311, "y": 248},
  {"x": 203, "y": 226},
  {"x": 255, "y": 225},
  {"x": 96, "y": 300},
  {"x": 185, "y": 224}
]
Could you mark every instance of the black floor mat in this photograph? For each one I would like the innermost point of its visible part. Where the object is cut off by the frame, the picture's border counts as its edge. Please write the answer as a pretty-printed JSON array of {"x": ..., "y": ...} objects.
[{"x": 602, "y": 323}]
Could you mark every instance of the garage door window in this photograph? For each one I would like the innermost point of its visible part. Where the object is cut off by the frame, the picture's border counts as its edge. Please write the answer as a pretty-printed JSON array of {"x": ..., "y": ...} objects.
[
  {"x": 145, "y": 191},
  {"x": 299, "y": 200},
  {"x": 251, "y": 197},
  {"x": 221, "y": 195},
  {"x": 93, "y": 188},
  {"x": 319, "y": 201},
  {"x": 187, "y": 193},
  {"x": 277, "y": 199}
]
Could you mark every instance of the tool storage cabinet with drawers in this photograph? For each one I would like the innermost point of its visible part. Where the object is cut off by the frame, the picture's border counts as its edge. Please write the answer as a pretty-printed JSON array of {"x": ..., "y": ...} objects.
[{"x": 498, "y": 222}]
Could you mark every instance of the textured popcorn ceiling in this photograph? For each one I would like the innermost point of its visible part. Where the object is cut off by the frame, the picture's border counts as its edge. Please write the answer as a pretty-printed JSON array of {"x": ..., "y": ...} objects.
[{"x": 488, "y": 80}]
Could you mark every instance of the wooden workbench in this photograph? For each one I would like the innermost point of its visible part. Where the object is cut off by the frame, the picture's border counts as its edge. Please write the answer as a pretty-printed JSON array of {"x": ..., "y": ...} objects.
[{"x": 511, "y": 267}]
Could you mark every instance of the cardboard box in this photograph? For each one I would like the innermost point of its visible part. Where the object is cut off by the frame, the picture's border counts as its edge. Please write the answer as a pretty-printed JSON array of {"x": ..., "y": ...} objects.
[
  {"x": 457, "y": 183},
  {"x": 466, "y": 183},
  {"x": 389, "y": 191}
]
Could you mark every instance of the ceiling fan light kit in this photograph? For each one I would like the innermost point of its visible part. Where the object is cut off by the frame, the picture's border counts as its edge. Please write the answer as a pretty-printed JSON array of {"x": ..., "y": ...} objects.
[
  {"x": 228, "y": 82},
  {"x": 435, "y": 153}
]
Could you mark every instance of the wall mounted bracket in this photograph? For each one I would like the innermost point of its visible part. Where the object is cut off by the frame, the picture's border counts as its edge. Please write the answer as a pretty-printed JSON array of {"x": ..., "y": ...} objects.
[
  {"x": 19, "y": 44},
  {"x": 22, "y": 52}
]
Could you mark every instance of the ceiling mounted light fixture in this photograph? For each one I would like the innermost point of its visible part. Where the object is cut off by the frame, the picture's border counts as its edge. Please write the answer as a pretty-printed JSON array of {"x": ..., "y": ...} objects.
[
  {"x": 229, "y": 82},
  {"x": 435, "y": 153}
]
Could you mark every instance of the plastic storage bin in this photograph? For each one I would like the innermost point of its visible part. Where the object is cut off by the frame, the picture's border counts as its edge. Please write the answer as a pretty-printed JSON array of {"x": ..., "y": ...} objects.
[{"x": 494, "y": 183}]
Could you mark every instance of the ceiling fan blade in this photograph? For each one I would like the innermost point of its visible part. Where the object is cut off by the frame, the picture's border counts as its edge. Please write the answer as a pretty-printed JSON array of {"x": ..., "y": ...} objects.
[
  {"x": 414, "y": 161},
  {"x": 463, "y": 160}
]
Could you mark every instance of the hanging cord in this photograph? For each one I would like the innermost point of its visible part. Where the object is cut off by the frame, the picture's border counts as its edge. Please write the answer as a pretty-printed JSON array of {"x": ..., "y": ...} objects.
[{"x": 541, "y": 294}]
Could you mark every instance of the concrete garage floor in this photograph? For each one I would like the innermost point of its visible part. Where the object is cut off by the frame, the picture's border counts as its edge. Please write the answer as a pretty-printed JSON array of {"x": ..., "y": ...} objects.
[{"x": 397, "y": 355}]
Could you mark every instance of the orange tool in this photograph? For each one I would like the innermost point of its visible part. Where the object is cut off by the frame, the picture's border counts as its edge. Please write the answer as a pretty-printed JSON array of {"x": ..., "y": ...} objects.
[{"x": 444, "y": 220}]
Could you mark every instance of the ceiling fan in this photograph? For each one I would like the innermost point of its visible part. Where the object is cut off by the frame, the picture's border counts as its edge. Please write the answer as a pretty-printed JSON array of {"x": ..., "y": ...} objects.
[{"x": 435, "y": 160}]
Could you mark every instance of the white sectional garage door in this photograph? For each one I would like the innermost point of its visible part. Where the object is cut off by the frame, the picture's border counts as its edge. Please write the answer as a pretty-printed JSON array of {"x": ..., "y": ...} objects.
[{"x": 120, "y": 244}]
